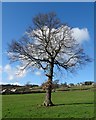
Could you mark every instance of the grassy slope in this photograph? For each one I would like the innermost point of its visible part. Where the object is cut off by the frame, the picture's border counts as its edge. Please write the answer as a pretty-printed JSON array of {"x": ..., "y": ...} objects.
[{"x": 77, "y": 104}]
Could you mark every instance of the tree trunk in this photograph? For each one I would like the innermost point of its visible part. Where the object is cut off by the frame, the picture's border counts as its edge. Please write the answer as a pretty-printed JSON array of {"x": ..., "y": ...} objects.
[{"x": 48, "y": 101}]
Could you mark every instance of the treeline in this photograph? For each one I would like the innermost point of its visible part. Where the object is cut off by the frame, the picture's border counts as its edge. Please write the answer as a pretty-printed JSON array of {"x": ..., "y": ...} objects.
[
  {"x": 16, "y": 89},
  {"x": 56, "y": 86}
]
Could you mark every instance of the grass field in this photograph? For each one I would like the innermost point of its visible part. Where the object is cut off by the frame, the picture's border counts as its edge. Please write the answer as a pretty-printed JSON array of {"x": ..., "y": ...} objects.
[{"x": 69, "y": 104}]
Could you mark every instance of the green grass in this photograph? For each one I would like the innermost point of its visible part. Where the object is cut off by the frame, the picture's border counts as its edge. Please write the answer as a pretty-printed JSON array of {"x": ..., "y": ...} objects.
[{"x": 70, "y": 104}]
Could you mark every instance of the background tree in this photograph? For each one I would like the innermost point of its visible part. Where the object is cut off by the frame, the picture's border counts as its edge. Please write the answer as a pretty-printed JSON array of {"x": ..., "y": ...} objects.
[
  {"x": 64, "y": 85},
  {"x": 48, "y": 43},
  {"x": 55, "y": 84}
]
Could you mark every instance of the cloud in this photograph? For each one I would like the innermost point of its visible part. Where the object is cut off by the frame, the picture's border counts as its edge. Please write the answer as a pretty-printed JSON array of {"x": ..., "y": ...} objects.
[
  {"x": 7, "y": 68},
  {"x": 2, "y": 83},
  {"x": 14, "y": 73},
  {"x": 13, "y": 83},
  {"x": 20, "y": 73},
  {"x": 38, "y": 73},
  {"x": 11, "y": 77},
  {"x": 80, "y": 35}
]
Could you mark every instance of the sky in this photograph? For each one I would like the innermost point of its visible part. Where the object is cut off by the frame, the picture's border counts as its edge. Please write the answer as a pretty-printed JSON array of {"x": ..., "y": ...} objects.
[
  {"x": 17, "y": 17},
  {"x": 48, "y": 0}
]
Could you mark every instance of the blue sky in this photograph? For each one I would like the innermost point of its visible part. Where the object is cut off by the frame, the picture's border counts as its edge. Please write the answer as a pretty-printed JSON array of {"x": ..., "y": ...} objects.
[{"x": 17, "y": 17}]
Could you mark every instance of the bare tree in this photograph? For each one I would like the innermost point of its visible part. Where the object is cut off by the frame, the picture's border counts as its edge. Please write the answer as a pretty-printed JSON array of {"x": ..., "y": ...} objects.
[{"x": 47, "y": 44}]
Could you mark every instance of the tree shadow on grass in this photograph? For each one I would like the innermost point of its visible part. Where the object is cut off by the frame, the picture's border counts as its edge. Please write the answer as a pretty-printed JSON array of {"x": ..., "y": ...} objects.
[{"x": 73, "y": 103}]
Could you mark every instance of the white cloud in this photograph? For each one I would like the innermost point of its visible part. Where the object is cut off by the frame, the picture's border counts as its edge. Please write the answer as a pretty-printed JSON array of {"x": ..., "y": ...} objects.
[
  {"x": 7, "y": 68},
  {"x": 1, "y": 82},
  {"x": 13, "y": 73},
  {"x": 10, "y": 77},
  {"x": 41, "y": 69},
  {"x": 38, "y": 73},
  {"x": 9, "y": 71},
  {"x": 80, "y": 34},
  {"x": 15, "y": 83},
  {"x": 20, "y": 73}
]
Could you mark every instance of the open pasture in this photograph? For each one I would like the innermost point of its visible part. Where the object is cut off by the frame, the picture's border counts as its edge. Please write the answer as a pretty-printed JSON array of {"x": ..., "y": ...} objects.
[{"x": 69, "y": 104}]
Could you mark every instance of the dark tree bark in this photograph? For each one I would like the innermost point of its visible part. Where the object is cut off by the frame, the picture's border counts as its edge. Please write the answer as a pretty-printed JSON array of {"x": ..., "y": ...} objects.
[{"x": 48, "y": 101}]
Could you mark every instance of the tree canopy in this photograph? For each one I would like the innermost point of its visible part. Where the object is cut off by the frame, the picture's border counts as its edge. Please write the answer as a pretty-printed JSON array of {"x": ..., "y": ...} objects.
[{"x": 48, "y": 41}]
